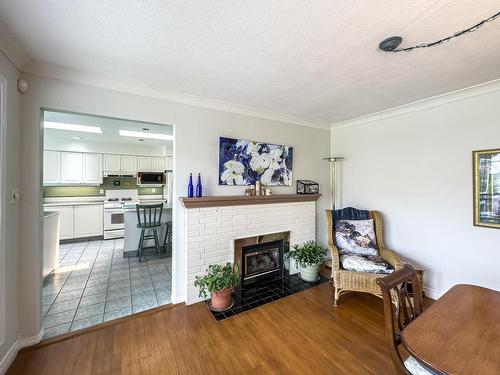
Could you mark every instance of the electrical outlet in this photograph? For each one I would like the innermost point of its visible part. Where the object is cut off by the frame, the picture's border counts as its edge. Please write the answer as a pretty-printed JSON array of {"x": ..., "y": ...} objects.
[
  {"x": 101, "y": 191},
  {"x": 153, "y": 190}
]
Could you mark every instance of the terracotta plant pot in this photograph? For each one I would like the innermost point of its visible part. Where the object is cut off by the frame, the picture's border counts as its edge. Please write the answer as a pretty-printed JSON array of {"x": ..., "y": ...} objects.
[{"x": 222, "y": 300}]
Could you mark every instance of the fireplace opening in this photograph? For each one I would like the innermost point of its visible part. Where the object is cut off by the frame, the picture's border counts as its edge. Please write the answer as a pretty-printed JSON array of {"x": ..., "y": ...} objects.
[{"x": 263, "y": 261}]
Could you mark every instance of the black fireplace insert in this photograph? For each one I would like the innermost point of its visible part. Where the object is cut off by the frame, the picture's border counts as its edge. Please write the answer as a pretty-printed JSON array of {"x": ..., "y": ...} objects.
[{"x": 260, "y": 262}]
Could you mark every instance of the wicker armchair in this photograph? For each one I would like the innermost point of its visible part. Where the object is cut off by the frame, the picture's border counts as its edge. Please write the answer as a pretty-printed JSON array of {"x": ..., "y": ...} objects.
[{"x": 344, "y": 281}]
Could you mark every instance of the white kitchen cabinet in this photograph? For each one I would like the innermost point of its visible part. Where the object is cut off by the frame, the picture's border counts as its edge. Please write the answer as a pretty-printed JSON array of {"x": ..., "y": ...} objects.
[
  {"x": 169, "y": 163},
  {"x": 71, "y": 167},
  {"x": 66, "y": 217},
  {"x": 88, "y": 220},
  {"x": 157, "y": 164},
  {"x": 51, "y": 167},
  {"x": 129, "y": 163},
  {"x": 144, "y": 164},
  {"x": 111, "y": 162},
  {"x": 92, "y": 168}
]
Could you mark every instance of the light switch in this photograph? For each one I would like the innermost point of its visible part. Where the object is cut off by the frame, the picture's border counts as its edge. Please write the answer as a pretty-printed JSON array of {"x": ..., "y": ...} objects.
[{"x": 14, "y": 195}]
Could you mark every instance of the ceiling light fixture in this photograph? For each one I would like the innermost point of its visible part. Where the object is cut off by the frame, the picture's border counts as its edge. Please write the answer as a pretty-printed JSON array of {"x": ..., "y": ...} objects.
[
  {"x": 77, "y": 138},
  {"x": 392, "y": 43},
  {"x": 130, "y": 133},
  {"x": 71, "y": 127}
]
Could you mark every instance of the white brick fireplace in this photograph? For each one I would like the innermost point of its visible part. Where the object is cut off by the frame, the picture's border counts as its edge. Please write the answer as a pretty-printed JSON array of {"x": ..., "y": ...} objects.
[{"x": 211, "y": 231}]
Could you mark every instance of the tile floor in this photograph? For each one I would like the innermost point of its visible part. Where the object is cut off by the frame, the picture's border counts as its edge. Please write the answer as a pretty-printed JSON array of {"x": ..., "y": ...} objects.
[{"x": 94, "y": 284}]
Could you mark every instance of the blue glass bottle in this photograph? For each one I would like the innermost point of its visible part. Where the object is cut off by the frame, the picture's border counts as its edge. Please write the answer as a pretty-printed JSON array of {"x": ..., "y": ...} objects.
[
  {"x": 199, "y": 188},
  {"x": 190, "y": 186}
]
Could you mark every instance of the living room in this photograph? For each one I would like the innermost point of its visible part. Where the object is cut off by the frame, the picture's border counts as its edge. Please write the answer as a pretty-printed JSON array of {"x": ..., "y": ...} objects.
[{"x": 321, "y": 106}]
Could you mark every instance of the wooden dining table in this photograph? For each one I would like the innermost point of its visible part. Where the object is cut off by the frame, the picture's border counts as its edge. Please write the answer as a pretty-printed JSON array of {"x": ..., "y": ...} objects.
[{"x": 459, "y": 333}]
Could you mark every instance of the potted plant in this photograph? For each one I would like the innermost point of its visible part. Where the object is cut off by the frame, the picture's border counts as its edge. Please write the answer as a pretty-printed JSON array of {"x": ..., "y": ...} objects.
[
  {"x": 310, "y": 255},
  {"x": 219, "y": 281}
]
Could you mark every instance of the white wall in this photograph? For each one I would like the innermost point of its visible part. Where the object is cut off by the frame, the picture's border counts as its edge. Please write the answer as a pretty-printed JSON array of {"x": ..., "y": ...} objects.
[
  {"x": 415, "y": 165},
  {"x": 10, "y": 211},
  {"x": 195, "y": 150}
]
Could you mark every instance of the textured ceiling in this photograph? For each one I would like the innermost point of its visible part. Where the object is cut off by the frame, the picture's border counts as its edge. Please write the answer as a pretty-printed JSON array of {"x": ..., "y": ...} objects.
[{"x": 313, "y": 59}]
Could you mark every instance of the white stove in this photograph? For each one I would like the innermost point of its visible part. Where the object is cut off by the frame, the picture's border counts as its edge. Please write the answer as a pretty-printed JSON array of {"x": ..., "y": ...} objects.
[{"x": 113, "y": 211}]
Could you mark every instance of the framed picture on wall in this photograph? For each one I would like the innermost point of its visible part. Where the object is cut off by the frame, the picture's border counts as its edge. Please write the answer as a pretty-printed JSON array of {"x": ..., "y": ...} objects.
[
  {"x": 486, "y": 164},
  {"x": 244, "y": 162}
]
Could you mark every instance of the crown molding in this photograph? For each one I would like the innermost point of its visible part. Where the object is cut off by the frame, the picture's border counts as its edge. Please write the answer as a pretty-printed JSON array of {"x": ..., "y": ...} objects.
[
  {"x": 423, "y": 104},
  {"x": 11, "y": 50},
  {"x": 91, "y": 79}
]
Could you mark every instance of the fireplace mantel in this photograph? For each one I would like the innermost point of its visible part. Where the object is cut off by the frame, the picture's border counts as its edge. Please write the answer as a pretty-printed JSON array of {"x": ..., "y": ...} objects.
[{"x": 242, "y": 200}]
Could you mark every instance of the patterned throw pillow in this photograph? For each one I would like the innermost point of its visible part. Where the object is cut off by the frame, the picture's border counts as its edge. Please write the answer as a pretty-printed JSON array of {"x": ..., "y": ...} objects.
[
  {"x": 365, "y": 263},
  {"x": 355, "y": 237}
]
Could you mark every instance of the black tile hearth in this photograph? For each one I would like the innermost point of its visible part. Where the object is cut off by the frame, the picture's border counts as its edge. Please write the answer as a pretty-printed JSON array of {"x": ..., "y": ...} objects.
[{"x": 258, "y": 295}]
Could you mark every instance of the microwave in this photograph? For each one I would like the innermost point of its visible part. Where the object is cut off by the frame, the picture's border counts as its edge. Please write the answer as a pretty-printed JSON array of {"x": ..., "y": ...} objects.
[{"x": 152, "y": 179}]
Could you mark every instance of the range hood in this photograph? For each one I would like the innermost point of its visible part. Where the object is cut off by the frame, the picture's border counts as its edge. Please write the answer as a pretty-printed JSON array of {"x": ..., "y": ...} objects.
[{"x": 119, "y": 174}]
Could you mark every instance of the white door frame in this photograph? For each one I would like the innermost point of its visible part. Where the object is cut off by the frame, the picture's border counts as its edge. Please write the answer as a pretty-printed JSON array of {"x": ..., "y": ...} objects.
[{"x": 3, "y": 200}]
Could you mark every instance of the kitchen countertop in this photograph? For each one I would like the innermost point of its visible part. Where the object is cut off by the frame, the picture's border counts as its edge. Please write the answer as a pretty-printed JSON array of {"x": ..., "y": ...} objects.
[
  {"x": 77, "y": 201},
  {"x": 47, "y": 214},
  {"x": 130, "y": 207},
  {"x": 72, "y": 201}
]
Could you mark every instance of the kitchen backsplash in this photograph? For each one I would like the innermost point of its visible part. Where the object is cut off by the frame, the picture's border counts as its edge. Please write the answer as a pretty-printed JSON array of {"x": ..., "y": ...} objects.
[{"x": 89, "y": 191}]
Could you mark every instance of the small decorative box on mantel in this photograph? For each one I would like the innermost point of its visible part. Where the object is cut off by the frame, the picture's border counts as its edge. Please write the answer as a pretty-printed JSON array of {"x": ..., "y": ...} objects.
[{"x": 307, "y": 187}]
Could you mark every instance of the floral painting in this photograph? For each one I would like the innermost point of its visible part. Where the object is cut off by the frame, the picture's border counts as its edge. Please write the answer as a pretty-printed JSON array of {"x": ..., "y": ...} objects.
[{"x": 243, "y": 162}]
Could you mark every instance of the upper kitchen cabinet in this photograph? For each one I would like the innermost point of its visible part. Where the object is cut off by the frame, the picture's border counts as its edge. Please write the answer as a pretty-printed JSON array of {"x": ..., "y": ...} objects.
[
  {"x": 92, "y": 168},
  {"x": 129, "y": 163},
  {"x": 144, "y": 164},
  {"x": 169, "y": 163},
  {"x": 51, "y": 167},
  {"x": 71, "y": 167},
  {"x": 112, "y": 162},
  {"x": 157, "y": 164}
]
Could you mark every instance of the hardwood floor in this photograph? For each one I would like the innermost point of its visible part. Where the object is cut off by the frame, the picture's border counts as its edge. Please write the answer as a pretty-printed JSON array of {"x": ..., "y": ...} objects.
[{"x": 300, "y": 334}]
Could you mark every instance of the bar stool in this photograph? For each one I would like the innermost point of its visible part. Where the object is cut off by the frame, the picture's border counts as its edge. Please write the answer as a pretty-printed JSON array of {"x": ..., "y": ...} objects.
[
  {"x": 148, "y": 217},
  {"x": 167, "y": 241}
]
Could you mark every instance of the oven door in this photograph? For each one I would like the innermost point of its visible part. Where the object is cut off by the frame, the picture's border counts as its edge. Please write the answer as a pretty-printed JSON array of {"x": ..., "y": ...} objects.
[{"x": 113, "y": 223}]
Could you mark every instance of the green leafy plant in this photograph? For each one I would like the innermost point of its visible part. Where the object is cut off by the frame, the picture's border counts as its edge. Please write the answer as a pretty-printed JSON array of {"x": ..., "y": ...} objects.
[
  {"x": 309, "y": 252},
  {"x": 218, "y": 278}
]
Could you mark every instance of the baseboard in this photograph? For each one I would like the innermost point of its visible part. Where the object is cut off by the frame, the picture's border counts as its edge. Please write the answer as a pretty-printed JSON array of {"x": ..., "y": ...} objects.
[
  {"x": 32, "y": 340},
  {"x": 432, "y": 293},
  {"x": 9, "y": 357},
  {"x": 176, "y": 299}
]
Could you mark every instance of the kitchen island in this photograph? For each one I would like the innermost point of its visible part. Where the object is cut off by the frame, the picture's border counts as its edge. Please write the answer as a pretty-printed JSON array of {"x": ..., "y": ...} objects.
[{"x": 133, "y": 234}]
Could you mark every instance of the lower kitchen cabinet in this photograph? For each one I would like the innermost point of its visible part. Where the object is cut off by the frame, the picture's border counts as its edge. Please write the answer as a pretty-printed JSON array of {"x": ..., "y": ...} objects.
[
  {"x": 88, "y": 220},
  {"x": 66, "y": 218},
  {"x": 77, "y": 221}
]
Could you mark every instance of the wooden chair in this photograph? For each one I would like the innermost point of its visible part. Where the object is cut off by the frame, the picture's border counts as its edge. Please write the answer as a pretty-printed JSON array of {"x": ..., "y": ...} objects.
[
  {"x": 149, "y": 218},
  {"x": 401, "y": 307},
  {"x": 343, "y": 280}
]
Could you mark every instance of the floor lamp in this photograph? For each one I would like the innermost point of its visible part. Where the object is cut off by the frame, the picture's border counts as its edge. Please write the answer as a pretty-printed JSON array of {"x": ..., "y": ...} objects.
[
  {"x": 333, "y": 176},
  {"x": 333, "y": 187}
]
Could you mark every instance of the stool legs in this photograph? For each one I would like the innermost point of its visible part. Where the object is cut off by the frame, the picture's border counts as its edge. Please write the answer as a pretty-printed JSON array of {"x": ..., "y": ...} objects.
[
  {"x": 157, "y": 241},
  {"x": 168, "y": 237},
  {"x": 155, "y": 237},
  {"x": 141, "y": 244}
]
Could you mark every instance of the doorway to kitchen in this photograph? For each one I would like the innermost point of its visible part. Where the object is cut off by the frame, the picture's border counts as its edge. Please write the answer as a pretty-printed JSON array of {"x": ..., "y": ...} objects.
[{"x": 105, "y": 256}]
